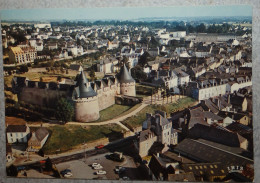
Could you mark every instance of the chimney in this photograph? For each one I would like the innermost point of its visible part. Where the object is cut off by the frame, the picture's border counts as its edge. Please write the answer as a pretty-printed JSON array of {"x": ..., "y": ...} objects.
[
  {"x": 158, "y": 155},
  {"x": 229, "y": 99}
]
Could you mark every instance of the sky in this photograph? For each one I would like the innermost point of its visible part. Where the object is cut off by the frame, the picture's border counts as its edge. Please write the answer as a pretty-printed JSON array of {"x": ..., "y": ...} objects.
[{"x": 124, "y": 13}]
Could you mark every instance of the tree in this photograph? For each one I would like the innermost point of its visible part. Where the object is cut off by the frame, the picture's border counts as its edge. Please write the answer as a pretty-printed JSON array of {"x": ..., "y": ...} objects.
[
  {"x": 23, "y": 68},
  {"x": 12, "y": 171},
  {"x": 138, "y": 73},
  {"x": 201, "y": 28},
  {"x": 143, "y": 59},
  {"x": 64, "y": 110},
  {"x": 92, "y": 75}
]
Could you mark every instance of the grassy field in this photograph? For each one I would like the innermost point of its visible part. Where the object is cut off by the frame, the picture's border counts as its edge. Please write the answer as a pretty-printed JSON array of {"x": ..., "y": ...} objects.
[
  {"x": 67, "y": 137},
  {"x": 112, "y": 112},
  {"x": 140, "y": 117}
]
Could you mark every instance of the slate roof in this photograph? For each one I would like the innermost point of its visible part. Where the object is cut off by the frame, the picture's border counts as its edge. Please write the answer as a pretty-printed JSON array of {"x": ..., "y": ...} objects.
[
  {"x": 124, "y": 75},
  {"x": 16, "y": 128},
  {"x": 196, "y": 116},
  {"x": 41, "y": 133},
  {"x": 83, "y": 89},
  {"x": 203, "y": 152}
]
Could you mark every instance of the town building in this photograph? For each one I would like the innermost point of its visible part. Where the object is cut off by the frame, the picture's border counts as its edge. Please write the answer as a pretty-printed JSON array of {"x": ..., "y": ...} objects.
[
  {"x": 17, "y": 133},
  {"x": 22, "y": 55},
  {"x": 38, "y": 139}
]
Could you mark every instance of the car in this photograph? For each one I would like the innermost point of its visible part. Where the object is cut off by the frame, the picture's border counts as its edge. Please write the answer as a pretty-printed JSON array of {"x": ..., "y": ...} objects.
[
  {"x": 95, "y": 164},
  {"x": 98, "y": 167},
  {"x": 19, "y": 168},
  {"x": 63, "y": 172},
  {"x": 69, "y": 174},
  {"x": 99, "y": 146},
  {"x": 101, "y": 172},
  {"x": 126, "y": 178},
  {"x": 119, "y": 169}
]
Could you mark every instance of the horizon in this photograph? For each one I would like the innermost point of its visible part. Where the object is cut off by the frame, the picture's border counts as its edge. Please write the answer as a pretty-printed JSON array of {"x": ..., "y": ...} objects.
[{"x": 125, "y": 13}]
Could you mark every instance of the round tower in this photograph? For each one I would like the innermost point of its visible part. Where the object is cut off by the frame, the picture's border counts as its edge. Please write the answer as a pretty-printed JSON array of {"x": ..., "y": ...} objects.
[
  {"x": 85, "y": 100},
  {"x": 127, "y": 83}
]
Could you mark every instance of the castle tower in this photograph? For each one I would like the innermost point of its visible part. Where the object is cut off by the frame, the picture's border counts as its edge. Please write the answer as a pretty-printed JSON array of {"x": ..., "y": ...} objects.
[
  {"x": 86, "y": 100},
  {"x": 127, "y": 83}
]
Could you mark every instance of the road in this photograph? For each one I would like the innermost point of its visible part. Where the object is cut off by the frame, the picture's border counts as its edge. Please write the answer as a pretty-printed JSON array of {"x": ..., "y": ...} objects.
[{"x": 118, "y": 145}]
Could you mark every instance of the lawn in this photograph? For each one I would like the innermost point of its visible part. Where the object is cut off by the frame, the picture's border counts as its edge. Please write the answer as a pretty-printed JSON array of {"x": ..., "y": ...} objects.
[
  {"x": 67, "y": 137},
  {"x": 140, "y": 117},
  {"x": 113, "y": 111}
]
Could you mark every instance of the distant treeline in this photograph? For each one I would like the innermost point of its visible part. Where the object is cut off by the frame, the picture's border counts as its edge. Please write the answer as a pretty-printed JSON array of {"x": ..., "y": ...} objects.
[{"x": 170, "y": 26}]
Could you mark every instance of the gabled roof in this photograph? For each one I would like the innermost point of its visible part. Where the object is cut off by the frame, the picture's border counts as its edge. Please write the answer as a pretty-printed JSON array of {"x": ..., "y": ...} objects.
[
  {"x": 40, "y": 134},
  {"x": 16, "y": 128},
  {"x": 124, "y": 75}
]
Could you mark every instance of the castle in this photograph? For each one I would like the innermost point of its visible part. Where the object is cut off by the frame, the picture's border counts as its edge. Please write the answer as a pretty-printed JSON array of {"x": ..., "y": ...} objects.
[{"x": 88, "y": 97}]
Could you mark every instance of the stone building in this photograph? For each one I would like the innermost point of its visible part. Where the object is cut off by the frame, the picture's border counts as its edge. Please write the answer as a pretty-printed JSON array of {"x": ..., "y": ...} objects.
[
  {"x": 156, "y": 128},
  {"x": 87, "y": 97}
]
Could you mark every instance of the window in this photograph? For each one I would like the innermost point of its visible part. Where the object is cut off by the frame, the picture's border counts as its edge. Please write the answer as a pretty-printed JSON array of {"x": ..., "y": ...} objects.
[
  {"x": 196, "y": 167},
  {"x": 190, "y": 167},
  {"x": 215, "y": 166},
  {"x": 222, "y": 171},
  {"x": 211, "y": 171}
]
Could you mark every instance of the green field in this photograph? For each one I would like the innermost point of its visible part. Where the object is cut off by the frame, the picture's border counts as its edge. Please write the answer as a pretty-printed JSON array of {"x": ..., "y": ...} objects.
[
  {"x": 113, "y": 111},
  {"x": 67, "y": 137},
  {"x": 140, "y": 117}
]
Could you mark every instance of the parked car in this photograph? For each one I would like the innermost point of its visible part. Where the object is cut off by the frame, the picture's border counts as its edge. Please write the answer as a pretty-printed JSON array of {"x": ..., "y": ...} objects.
[
  {"x": 126, "y": 178},
  {"x": 95, "y": 164},
  {"x": 69, "y": 174},
  {"x": 100, "y": 146},
  {"x": 63, "y": 172},
  {"x": 119, "y": 169},
  {"x": 98, "y": 167},
  {"x": 101, "y": 172}
]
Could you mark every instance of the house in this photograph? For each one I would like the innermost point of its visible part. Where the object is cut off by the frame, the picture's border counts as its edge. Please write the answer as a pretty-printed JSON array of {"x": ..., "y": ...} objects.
[
  {"x": 165, "y": 169},
  {"x": 9, "y": 153},
  {"x": 107, "y": 65},
  {"x": 52, "y": 46},
  {"x": 17, "y": 133},
  {"x": 38, "y": 139},
  {"x": 239, "y": 102},
  {"x": 156, "y": 128},
  {"x": 205, "y": 89},
  {"x": 183, "y": 77},
  {"x": 237, "y": 117}
]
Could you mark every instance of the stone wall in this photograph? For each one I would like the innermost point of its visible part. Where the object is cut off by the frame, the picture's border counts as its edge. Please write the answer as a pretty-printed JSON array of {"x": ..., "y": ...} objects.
[
  {"x": 41, "y": 97},
  {"x": 86, "y": 110},
  {"x": 106, "y": 97}
]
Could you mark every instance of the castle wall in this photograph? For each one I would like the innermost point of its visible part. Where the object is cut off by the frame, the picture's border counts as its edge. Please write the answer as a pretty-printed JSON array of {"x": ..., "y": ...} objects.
[
  {"x": 41, "y": 97},
  {"x": 106, "y": 96},
  {"x": 128, "y": 89},
  {"x": 86, "y": 109}
]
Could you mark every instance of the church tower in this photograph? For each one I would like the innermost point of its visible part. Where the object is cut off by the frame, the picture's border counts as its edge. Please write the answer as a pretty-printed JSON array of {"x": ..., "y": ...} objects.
[
  {"x": 127, "y": 83},
  {"x": 86, "y": 100}
]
